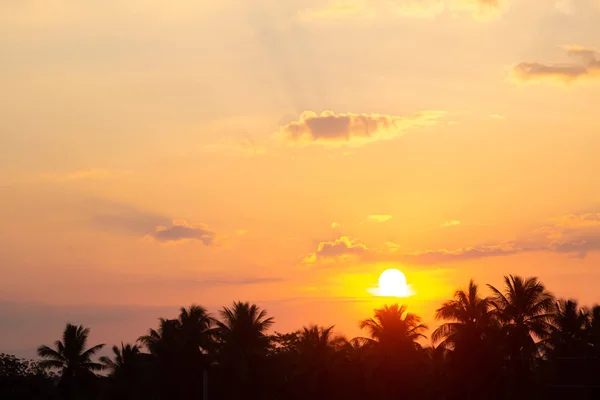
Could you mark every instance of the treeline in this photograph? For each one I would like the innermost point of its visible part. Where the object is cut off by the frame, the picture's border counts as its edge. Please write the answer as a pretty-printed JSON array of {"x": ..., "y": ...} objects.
[{"x": 518, "y": 343}]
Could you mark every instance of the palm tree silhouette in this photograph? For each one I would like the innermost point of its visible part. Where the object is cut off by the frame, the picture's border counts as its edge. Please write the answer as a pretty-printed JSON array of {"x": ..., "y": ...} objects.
[
  {"x": 525, "y": 309},
  {"x": 393, "y": 325},
  {"x": 567, "y": 330},
  {"x": 125, "y": 371},
  {"x": 73, "y": 360},
  {"x": 124, "y": 356},
  {"x": 470, "y": 318},
  {"x": 179, "y": 349},
  {"x": 469, "y": 339},
  {"x": 242, "y": 342},
  {"x": 397, "y": 361}
]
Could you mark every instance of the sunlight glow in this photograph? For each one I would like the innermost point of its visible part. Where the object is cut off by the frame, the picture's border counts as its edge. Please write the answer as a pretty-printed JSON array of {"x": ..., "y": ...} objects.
[{"x": 392, "y": 283}]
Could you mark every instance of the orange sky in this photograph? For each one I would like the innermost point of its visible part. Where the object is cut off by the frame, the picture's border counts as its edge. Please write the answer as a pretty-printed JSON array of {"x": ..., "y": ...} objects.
[{"x": 153, "y": 155}]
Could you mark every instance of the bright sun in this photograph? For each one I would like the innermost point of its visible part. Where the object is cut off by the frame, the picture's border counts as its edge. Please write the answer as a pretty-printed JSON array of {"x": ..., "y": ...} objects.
[{"x": 392, "y": 283}]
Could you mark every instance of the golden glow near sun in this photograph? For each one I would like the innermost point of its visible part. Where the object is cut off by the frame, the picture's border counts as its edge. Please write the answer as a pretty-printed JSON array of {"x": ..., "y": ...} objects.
[{"x": 392, "y": 283}]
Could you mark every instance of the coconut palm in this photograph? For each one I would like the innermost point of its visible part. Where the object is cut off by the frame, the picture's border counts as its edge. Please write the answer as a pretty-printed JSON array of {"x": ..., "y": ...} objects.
[
  {"x": 397, "y": 363},
  {"x": 525, "y": 309},
  {"x": 592, "y": 330},
  {"x": 179, "y": 349},
  {"x": 124, "y": 358},
  {"x": 393, "y": 325},
  {"x": 469, "y": 319},
  {"x": 243, "y": 328},
  {"x": 319, "y": 340},
  {"x": 470, "y": 339},
  {"x": 242, "y": 344},
  {"x": 567, "y": 330},
  {"x": 74, "y": 361},
  {"x": 127, "y": 372}
]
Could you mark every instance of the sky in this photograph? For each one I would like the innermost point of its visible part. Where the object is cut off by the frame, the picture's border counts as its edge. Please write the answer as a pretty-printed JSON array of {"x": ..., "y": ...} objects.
[{"x": 158, "y": 154}]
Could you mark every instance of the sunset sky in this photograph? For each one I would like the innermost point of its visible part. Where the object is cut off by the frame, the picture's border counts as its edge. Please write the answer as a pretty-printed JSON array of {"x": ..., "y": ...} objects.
[{"x": 156, "y": 154}]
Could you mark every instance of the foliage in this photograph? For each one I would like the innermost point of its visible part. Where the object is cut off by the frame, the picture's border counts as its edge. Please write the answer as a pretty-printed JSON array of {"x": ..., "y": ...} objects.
[{"x": 517, "y": 343}]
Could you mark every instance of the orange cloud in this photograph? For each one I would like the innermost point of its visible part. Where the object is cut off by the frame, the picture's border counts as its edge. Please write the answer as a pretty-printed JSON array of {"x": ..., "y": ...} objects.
[
  {"x": 329, "y": 128},
  {"x": 574, "y": 235},
  {"x": 339, "y": 249},
  {"x": 586, "y": 64}
]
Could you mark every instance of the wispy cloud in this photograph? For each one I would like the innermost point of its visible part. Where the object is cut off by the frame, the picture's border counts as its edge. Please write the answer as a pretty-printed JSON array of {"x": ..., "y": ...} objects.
[
  {"x": 575, "y": 235},
  {"x": 450, "y": 223},
  {"x": 329, "y": 128},
  {"x": 127, "y": 219},
  {"x": 379, "y": 218},
  {"x": 585, "y": 65},
  {"x": 497, "y": 116}
]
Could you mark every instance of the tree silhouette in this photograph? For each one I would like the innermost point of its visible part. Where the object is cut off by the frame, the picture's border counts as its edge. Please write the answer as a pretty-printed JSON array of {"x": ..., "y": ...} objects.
[
  {"x": 525, "y": 309},
  {"x": 519, "y": 343},
  {"x": 567, "y": 330},
  {"x": 74, "y": 361},
  {"x": 242, "y": 344},
  {"x": 394, "y": 326},
  {"x": 127, "y": 371},
  {"x": 470, "y": 337},
  {"x": 179, "y": 350},
  {"x": 398, "y": 364}
]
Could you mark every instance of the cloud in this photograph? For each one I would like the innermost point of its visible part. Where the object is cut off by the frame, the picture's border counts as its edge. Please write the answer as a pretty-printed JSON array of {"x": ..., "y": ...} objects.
[
  {"x": 450, "y": 223},
  {"x": 585, "y": 65},
  {"x": 379, "y": 218},
  {"x": 574, "y": 235},
  {"x": 127, "y": 219},
  {"x": 329, "y": 128},
  {"x": 497, "y": 116},
  {"x": 427, "y": 9},
  {"x": 180, "y": 231},
  {"x": 335, "y": 225},
  {"x": 341, "y": 248}
]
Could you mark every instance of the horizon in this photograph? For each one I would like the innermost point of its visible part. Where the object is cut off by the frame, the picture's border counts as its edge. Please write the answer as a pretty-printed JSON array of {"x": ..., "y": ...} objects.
[{"x": 156, "y": 156}]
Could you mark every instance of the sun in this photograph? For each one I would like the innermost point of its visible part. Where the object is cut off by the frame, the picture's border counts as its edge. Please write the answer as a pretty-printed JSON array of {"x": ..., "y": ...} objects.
[{"x": 392, "y": 283}]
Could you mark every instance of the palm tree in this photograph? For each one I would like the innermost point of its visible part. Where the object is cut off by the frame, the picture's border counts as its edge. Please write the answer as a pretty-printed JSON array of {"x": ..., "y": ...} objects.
[
  {"x": 398, "y": 363},
  {"x": 567, "y": 330},
  {"x": 319, "y": 340},
  {"x": 179, "y": 348},
  {"x": 242, "y": 344},
  {"x": 73, "y": 360},
  {"x": 525, "y": 309},
  {"x": 125, "y": 371},
  {"x": 393, "y": 325},
  {"x": 592, "y": 330},
  {"x": 469, "y": 339},
  {"x": 124, "y": 357},
  {"x": 469, "y": 316},
  {"x": 319, "y": 361},
  {"x": 243, "y": 328}
]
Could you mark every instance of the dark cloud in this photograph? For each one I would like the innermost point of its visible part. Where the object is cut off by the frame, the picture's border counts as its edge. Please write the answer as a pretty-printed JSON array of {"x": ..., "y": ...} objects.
[
  {"x": 128, "y": 219},
  {"x": 586, "y": 64},
  {"x": 180, "y": 231},
  {"x": 351, "y": 129}
]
